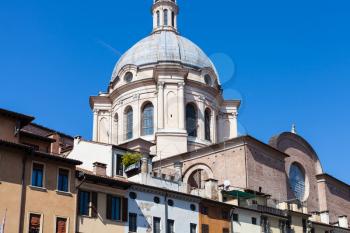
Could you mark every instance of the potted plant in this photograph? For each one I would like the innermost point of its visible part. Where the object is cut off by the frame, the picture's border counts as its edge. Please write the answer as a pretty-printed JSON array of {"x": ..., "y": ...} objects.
[{"x": 131, "y": 162}]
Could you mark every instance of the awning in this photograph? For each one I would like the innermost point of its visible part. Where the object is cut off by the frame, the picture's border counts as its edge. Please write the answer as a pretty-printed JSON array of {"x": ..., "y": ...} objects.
[{"x": 239, "y": 194}]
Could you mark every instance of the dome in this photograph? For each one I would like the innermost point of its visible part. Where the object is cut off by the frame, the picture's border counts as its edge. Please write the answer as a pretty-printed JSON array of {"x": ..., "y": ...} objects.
[{"x": 164, "y": 46}]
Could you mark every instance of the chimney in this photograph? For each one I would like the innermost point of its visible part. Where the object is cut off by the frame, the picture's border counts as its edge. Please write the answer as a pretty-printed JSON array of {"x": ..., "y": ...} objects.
[
  {"x": 211, "y": 189},
  {"x": 145, "y": 164},
  {"x": 325, "y": 217},
  {"x": 100, "y": 169},
  {"x": 178, "y": 171},
  {"x": 343, "y": 221}
]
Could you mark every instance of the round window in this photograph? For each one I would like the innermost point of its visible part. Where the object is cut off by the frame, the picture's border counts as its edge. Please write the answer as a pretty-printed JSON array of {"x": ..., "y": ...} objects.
[
  {"x": 170, "y": 202},
  {"x": 128, "y": 77},
  {"x": 193, "y": 207},
  {"x": 297, "y": 181},
  {"x": 132, "y": 195},
  {"x": 156, "y": 200},
  {"x": 208, "y": 80}
]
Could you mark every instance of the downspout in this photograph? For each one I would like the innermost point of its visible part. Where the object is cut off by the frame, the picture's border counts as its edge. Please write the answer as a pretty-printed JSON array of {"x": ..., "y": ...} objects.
[
  {"x": 166, "y": 211},
  {"x": 23, "y": 193}
]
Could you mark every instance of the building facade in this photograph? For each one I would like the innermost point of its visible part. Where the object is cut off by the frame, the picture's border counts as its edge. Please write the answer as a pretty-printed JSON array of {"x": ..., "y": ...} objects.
[{"x": 37, "y": 191}]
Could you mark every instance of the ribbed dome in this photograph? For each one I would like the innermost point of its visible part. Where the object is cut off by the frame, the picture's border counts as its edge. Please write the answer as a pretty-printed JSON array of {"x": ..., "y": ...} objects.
[{"x": 164, "y": 46}]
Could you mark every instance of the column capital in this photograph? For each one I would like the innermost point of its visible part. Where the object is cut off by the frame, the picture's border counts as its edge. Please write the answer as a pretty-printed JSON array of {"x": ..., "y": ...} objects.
[
  {"x": 181, "y": 85},
  {"x": 160, "y": 85}
]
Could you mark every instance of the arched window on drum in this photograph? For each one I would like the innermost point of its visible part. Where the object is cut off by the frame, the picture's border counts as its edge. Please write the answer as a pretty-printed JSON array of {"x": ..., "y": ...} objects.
[
  {"x": 147, "y": 119},
  {"x": 191, "y": 120},
  {"x": 207, "y": 124},
  {"x": 128, "y": 115}
]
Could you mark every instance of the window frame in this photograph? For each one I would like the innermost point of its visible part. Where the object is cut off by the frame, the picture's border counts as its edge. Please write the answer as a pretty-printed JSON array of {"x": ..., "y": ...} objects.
[
  {"x": 43, "y": 178},
  {"x": 207, "y": 124},
  {"x": 144, "y": 129},
  {"x": 192, "y": 128},
  {"x": 68, "y": 181},
  {"x": 67, "y": 222},
  {"x": 160, "y": 224},
  {"x": 129, "y": 133},
  {"x": 166, "y": 17},
  {"x": 191, "y": 227},
  {"x": 41, "y": 220}
]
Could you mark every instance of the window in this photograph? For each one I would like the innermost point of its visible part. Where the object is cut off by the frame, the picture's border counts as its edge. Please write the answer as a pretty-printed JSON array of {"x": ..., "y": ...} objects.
[
  {"x": 235, "y": 217},
  {"x": 193, "y": 207},
  {"x": 147, "y": 119},
  {"x": 158, "y": 18},
  {"x": 118, "y": 165},
  {"x": 113, "y": 208},
  {"x": 34, "y": 223},
  {"x": 171, "y": 228},
  {"x": 225, "y": 230},
  {"x": 156, "y": 200},
  {"x": 297, "y": 181},
  {"x": 87, "y": 203},
  {"x": 207, "y": 121},
  {"x": 170, "y": 202},
  {"x": 132, "y": 222},
  {"x": 165, "y": 17},
  {"x": 264, "y": 224},
  {"x": 129, "y": 123},
  {"x": 204, "y": 210},
  {"x": 304, "y": 225},
  {"x": 38, "y": 175},
  {"x": 128, "y": 77},
  {"x": 61, "y": 225},
  {"x": 193, "y": 228},
  {"x": 191, "y": 120},
  {"x": 254, "y": 221},
  {"x": 132, "y": 195},
  {"x": 205, "y": 228},
  {"x": 173, "y": 19},
  {"x": 282, "y": 226},
  {"x": 156, "y": 225},
  {"x": 63, "y": 180},
  {"x": 224, "y": 214},
  {"x": 208, "y": 80}
]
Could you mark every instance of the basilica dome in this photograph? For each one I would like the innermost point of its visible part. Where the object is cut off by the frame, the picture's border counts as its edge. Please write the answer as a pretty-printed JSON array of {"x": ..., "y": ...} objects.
[{"x": 164, "y": 47}]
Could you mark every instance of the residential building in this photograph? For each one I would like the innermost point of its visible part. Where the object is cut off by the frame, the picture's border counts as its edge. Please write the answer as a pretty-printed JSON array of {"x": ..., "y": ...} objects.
[{"x": 37, "y": 191}]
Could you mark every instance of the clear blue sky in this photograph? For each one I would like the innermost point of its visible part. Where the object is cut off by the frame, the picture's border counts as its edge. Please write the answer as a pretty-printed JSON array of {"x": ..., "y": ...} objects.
[{"x": 291, "y": 62}]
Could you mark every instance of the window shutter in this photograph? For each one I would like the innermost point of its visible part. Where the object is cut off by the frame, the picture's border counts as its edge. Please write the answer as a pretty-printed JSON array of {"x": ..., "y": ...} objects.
[
  {"x": 94, "y": 206},
  {"x": 109, "y": 205},
  {"x": 125, "y": 209}
]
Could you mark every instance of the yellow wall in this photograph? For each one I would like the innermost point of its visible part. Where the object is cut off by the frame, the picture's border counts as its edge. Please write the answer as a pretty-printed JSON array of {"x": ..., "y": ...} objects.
[
  {"x": 48, "y": 201},
  {"x": 10, "y": 187}
]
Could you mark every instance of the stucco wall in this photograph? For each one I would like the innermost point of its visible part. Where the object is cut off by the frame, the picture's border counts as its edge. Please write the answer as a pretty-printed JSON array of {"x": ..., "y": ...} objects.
[
  {"x": 10, "y": 187},
  {"x": 7, "y": 129},
  {"x": 47, "y": 201},
  {"x": 244, "y": 223}
]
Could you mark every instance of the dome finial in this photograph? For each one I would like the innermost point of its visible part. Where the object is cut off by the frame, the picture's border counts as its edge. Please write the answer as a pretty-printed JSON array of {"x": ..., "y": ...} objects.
[
  {"x": 165, "y": 15},
  {"x": 294, "y": 129}
]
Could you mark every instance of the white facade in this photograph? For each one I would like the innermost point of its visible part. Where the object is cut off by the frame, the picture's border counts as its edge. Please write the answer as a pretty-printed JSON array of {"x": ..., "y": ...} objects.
[
  {"x": 245, "y": 221},
  {"x": 90, "y": 152},
  {"x": 146, "y": 209},
  {"x": 167, "y": 72}
]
